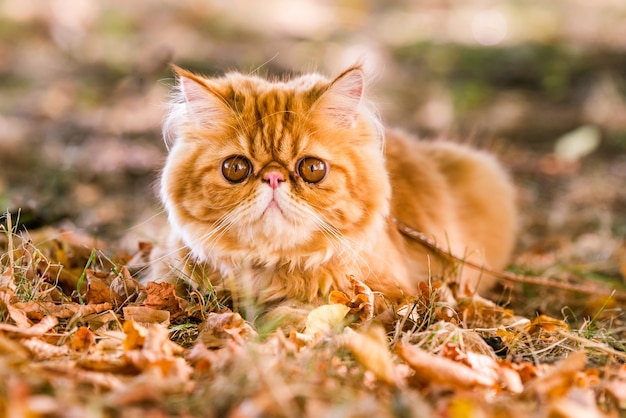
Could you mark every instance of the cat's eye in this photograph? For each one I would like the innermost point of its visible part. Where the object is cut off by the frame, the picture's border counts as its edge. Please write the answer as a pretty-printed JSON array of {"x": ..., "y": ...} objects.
[
  {"x": 236, "y": 169},
  {"x": 311, "y": 169}
]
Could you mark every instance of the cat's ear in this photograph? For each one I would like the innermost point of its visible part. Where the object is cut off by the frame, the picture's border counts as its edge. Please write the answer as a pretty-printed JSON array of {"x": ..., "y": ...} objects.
[
  {"x": 341, "y": 101},
  {"x": 203, "y": 101}
]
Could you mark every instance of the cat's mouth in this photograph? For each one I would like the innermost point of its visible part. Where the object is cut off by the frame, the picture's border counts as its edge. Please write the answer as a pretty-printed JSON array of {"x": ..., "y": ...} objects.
[{"x": 272, "y": 208}]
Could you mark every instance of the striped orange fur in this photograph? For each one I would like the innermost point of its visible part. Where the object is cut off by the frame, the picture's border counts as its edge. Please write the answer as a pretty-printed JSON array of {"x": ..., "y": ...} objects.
[{"x": 285, "y": 188}]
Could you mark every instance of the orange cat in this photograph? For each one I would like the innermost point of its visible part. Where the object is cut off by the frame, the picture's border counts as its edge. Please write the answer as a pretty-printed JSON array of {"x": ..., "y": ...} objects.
[{"x": 284, "y": 189}]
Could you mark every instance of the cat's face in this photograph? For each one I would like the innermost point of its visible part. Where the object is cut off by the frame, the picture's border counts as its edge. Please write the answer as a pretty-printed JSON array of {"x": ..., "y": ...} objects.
[{"x": 270, "y": 170}]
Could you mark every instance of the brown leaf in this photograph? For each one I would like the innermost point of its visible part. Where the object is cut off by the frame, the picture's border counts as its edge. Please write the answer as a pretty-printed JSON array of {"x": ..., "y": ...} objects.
[
  {"x": 11, "y": 351},
  {"x": 37, "y": 330},
  {"x": 578, "y": 404},
  {"x": 142, "y": 257},
  {"x": 107, "y": 320},
  {"x": 98, "y": 289},
  {"x": 17, "y": 315},
  {"x": 527, "y": 371},
  {"x": 201, "y": 358},
  {"x": 105, "y": 380},
  {"x": 617, "y": 390},
  {"x": 153, "y": 339},
  {"x": 145, "y": 316},
  {"x": 162, "y": 296},
  {"x": 440, "y": 370},
  {"x": 107, "y": 362},
  {"x": 510, "y": 379},
  {"x": 37, "y": 310},
  {"x": 41, "y": 350},
  {"x": 152, "y": 350},
  {"x": 220, "y": 328},
  {"x": 360, "y": 301},
  {"x": 559, "y": 379},
  {"x": 82, "y": 339},
  {"x": 125, "y": 287},
  {"x": 7, "y": 281}
]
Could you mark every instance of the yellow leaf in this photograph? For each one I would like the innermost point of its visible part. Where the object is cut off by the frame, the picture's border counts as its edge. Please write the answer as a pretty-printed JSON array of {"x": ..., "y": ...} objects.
[
  {"x": 371, "y": 350},
  {"x": 546, "y": 324},
  {"x": 326, "y": 319},
  {"x": 135, "y": 335},
  {"x": 578, "y": 143}
]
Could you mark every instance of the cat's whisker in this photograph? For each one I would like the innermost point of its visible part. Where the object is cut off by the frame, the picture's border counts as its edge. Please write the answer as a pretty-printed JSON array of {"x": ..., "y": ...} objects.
[
  {"x": 256, "y": 70},
  {"x": 223, "y": 225},
  {"x": 342, "y": 245},
  {"x": 150, "y": 219},
  {"x": 162, "y": 259}
]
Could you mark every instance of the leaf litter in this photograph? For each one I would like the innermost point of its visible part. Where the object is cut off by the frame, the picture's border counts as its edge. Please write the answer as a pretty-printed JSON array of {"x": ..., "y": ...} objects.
[
  {"x": 81, "y": 113},
  {"x": 112, "y": 344}
]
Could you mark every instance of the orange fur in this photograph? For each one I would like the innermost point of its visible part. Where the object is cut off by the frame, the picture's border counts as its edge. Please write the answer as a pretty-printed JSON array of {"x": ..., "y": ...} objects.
[{"x": 296, "y": 240}]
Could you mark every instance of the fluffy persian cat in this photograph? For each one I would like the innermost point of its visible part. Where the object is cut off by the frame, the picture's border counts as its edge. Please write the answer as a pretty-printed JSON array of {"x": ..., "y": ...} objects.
[{"x": 283, "y": 189}]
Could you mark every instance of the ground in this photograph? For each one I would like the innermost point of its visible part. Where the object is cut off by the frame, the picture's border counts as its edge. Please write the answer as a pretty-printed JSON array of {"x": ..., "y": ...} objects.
[{"x": 541, "y": 85}]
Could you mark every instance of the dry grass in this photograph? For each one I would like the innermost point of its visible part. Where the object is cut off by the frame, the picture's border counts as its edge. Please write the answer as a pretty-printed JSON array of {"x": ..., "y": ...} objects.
[{"x": 483, "y": 358}]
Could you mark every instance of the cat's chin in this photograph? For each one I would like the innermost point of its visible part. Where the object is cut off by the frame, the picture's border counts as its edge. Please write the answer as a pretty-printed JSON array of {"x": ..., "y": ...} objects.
[{"x": 274, "y": 232}]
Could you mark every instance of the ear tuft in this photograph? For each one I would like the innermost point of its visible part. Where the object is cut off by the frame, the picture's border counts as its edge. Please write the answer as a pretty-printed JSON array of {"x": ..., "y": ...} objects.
[
  {"x": 342, "y": 99},
  {"x": 205, "y": 106}
]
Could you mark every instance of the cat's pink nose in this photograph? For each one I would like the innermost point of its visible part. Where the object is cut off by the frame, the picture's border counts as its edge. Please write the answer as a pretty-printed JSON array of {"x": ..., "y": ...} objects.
[{"x": 273, "y": 178}]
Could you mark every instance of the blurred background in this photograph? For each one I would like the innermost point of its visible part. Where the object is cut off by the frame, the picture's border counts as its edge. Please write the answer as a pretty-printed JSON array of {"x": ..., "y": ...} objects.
[{"x": 543, "y": 83}]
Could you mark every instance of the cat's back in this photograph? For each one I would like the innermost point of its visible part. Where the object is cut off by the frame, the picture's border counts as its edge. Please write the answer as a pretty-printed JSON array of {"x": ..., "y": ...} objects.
[{"x": 446, "y": 189}]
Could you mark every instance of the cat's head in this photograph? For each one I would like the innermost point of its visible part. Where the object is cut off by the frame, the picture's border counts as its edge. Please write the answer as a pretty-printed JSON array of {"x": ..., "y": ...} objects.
[{"x": 274, "y": 171}]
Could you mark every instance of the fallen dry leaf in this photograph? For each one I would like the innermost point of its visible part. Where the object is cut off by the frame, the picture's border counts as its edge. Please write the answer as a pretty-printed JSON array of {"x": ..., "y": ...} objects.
[
  {"x": 37, "y": 330},
  {"x": 509, "y": 377},
  {"x": 578, "y": 403},
  {"x": 201, "y": 358},
  {"x": 616, "y": 389},
  {"x": 158, "y": 342},
  {"x": 547, "y": 324},
  {"x": 431, "y": 368},
  {"x": 67, "y": 369},
  {"x": 107, "y": 362},
  {"x": 219, "y": 328},
  {"x": 82, "y": 340},
  {"x": 145, "y": 316},
  {"x": 107, "y": 320},
  {"x": 135, "y": 335},
  {"x": 125, "y": 287},
  {"x": 37, "y": 310},
  {"x": 12, "y": 351},
  {"x": 98, "y": 289},
  {"x": 558, "y": 380},
  {"x": 7, "y": 281},
  {"x": 360, "y": 302},
  {"x": 17, "y": 315},
  {"x": 41, "y": 350},
  {"x": 162, "y": 296},
  {"x": 371, "y": 349},
  {"x": 156, "y": 352},
  {"x": 326, "y": 320}
]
